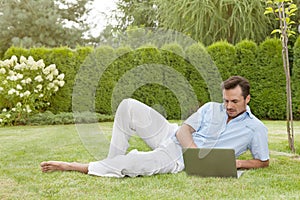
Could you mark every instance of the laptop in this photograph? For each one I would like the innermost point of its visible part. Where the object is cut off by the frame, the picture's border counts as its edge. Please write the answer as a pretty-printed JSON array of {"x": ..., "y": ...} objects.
[{"x": 207, "y": 162}]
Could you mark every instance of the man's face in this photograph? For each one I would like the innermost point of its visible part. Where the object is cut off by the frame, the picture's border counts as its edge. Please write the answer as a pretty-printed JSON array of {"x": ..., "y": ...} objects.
[{"x": 234, "y": 102}]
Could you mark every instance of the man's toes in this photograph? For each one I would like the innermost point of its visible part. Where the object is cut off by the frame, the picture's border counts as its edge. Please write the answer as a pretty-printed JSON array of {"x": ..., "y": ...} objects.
[{"x": 43, "y": 164}]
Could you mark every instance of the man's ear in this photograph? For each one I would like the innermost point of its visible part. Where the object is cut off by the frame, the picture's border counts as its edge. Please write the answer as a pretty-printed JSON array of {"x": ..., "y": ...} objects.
[{"x": 248, "y": 99}]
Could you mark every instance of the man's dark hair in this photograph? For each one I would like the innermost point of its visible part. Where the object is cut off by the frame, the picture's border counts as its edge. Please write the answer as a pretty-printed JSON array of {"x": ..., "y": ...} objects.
[{"x": 235, "y": 81}]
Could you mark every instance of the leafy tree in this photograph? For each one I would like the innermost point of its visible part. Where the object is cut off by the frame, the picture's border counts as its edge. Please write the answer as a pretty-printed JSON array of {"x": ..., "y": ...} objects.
[
  {"x": 203, "y": 20},
  {"x": 283, "y": 10},
  {"x": 210, "y": 21},
  {"x": 49, "y": 23},
  {"x": 136, "y": 13}
]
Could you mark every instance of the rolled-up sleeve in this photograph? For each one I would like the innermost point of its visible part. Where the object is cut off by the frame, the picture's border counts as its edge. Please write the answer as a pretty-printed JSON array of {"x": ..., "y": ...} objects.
[
  {"x": 259, "y": 144},
  {"x": 195, "y": 119}
]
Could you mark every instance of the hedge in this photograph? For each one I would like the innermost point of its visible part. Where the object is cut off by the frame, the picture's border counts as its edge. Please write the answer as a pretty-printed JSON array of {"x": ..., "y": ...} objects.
[
  {"x": 148, "y": 74},
  {"x": 173, "y": 80},
  {"x": 224, "y": 56},
  {"x": 270, "y": 101},
  {"x": 296, "y": 80}
]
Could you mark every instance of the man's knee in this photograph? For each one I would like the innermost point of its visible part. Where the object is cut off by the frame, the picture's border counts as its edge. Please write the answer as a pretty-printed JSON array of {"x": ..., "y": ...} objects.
[
  {"x": 124, "y": 110},
  {"x": 125, "y": 103}
]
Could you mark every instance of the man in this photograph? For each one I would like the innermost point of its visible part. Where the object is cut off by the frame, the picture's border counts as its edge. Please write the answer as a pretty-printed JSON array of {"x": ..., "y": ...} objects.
[{"x": 215, "y": 125}]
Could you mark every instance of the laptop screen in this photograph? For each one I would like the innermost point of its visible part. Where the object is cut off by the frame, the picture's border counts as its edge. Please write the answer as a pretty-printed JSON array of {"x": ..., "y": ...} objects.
[{"x": 210, "y": 162}]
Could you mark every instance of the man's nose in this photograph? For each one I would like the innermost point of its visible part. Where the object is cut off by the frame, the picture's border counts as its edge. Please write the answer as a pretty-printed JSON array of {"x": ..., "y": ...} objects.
[{"x": 229, "y": 104}]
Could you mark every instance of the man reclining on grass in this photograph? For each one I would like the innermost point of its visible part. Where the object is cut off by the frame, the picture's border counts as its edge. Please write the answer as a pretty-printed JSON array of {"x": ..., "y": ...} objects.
[{"x": 215, "y": 125}]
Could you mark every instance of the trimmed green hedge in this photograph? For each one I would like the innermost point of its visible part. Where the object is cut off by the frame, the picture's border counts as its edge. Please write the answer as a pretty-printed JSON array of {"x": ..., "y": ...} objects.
[
  {"x": 48, "y": 118},
  {"x": 173, "y": 80},
  {"x": 224, "y": 56},
  {"x": 148, "y": 74},
  {"x": 296, "y": 80},
  {"x": 270, "y": 101}
]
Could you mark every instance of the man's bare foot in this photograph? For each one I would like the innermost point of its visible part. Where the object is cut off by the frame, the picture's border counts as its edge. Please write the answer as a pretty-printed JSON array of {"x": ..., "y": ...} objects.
[
  {"x": 54, "y": 166},
  {"x": 51, "y": 166}
]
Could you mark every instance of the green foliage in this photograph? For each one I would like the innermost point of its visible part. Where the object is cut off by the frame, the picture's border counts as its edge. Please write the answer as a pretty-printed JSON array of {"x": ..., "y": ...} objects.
[
  {"x": 117, "y": 88},
  {"x": 271, "y": 94},
  {"x": 211, "y": 21},
  {"x": 174, "y": 48},
  {"x": 136, "y": 13},
  {"x": 122, "y": 50},
  {"x": 199, "y": 59},
  {"x": 36, "y": 23},
  {"x": 166, "y": 78},
  {"x": 204, "y": 21},
  {"x": 246, "y": 53},
  {"x": 295, "y": 80},
  {"x": 135, "y": 36},
  {"x": 105, "y": 79},
  {"x": 249, "y": 67},
  {"x": 48, "y": 118},
  {"x": 26, "y": 86},
  {"x": 284, "y": 10},
  {"x": 224, "y": 56},
  {"x": 157, "y": 77},
  {"x": 67, "y": 61}
]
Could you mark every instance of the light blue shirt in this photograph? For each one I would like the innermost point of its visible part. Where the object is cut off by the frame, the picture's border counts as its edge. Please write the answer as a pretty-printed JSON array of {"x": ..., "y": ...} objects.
[{"x": 241, "y": 133}]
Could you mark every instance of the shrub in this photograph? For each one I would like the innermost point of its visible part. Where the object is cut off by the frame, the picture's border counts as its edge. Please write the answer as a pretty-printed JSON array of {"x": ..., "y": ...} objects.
[
  {"x": 246, "y": 53},
  {"x": 270, "y": 99},
  {"x": 296, "y": 80},
  {"x": 224, "y": 56},
  {"x": 67, "y": 61},
  {"x": 203, "y": 74},
  {"x": 48, "y": 118},
  {"x": 175, "y": 48},
  {"x": 26, "y": 86},
  {"x": 96, "y": 80}
]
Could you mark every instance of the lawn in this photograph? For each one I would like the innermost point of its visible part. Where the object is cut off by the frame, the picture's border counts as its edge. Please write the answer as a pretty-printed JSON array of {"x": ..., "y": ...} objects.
[{"x": 23, "y": 148}]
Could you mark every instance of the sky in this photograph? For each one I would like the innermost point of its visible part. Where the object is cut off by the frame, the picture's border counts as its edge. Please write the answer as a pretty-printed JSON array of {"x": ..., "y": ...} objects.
[{"x": 97, "y": 17}]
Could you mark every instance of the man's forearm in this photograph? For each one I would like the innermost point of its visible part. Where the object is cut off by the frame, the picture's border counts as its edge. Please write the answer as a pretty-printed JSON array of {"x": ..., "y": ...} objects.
[
  {"x": 184, "y": 136},
  {"x": 251, "y": 164}
]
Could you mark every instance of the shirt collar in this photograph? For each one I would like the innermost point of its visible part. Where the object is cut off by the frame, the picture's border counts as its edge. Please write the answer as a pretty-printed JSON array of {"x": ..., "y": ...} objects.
[{"x": 248, "y": 110}]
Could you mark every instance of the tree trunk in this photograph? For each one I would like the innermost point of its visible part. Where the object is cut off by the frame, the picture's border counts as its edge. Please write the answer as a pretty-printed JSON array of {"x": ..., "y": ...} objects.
[{"x": 286, "y": 65}]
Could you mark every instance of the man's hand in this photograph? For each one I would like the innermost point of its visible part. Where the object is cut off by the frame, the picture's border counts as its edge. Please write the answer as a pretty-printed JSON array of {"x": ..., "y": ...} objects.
[
  {"x": 251, "y": 164},
  {"x": 184, "y": 136}
]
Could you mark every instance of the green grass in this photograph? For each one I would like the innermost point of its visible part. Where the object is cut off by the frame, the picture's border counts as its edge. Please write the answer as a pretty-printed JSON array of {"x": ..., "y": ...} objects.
[{"x": 23, "y": 148}]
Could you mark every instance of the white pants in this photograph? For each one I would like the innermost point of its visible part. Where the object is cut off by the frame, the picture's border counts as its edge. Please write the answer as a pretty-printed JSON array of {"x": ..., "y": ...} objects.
[{"x": 133, "y": 117}]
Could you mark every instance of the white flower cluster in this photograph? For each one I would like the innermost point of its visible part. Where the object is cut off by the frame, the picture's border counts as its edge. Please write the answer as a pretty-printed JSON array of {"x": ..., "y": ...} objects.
[{"x": 26, "y": 86}]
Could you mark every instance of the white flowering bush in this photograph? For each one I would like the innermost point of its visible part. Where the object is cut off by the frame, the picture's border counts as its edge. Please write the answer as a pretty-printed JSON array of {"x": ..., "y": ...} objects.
[{"x": 26, "y": 87}]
